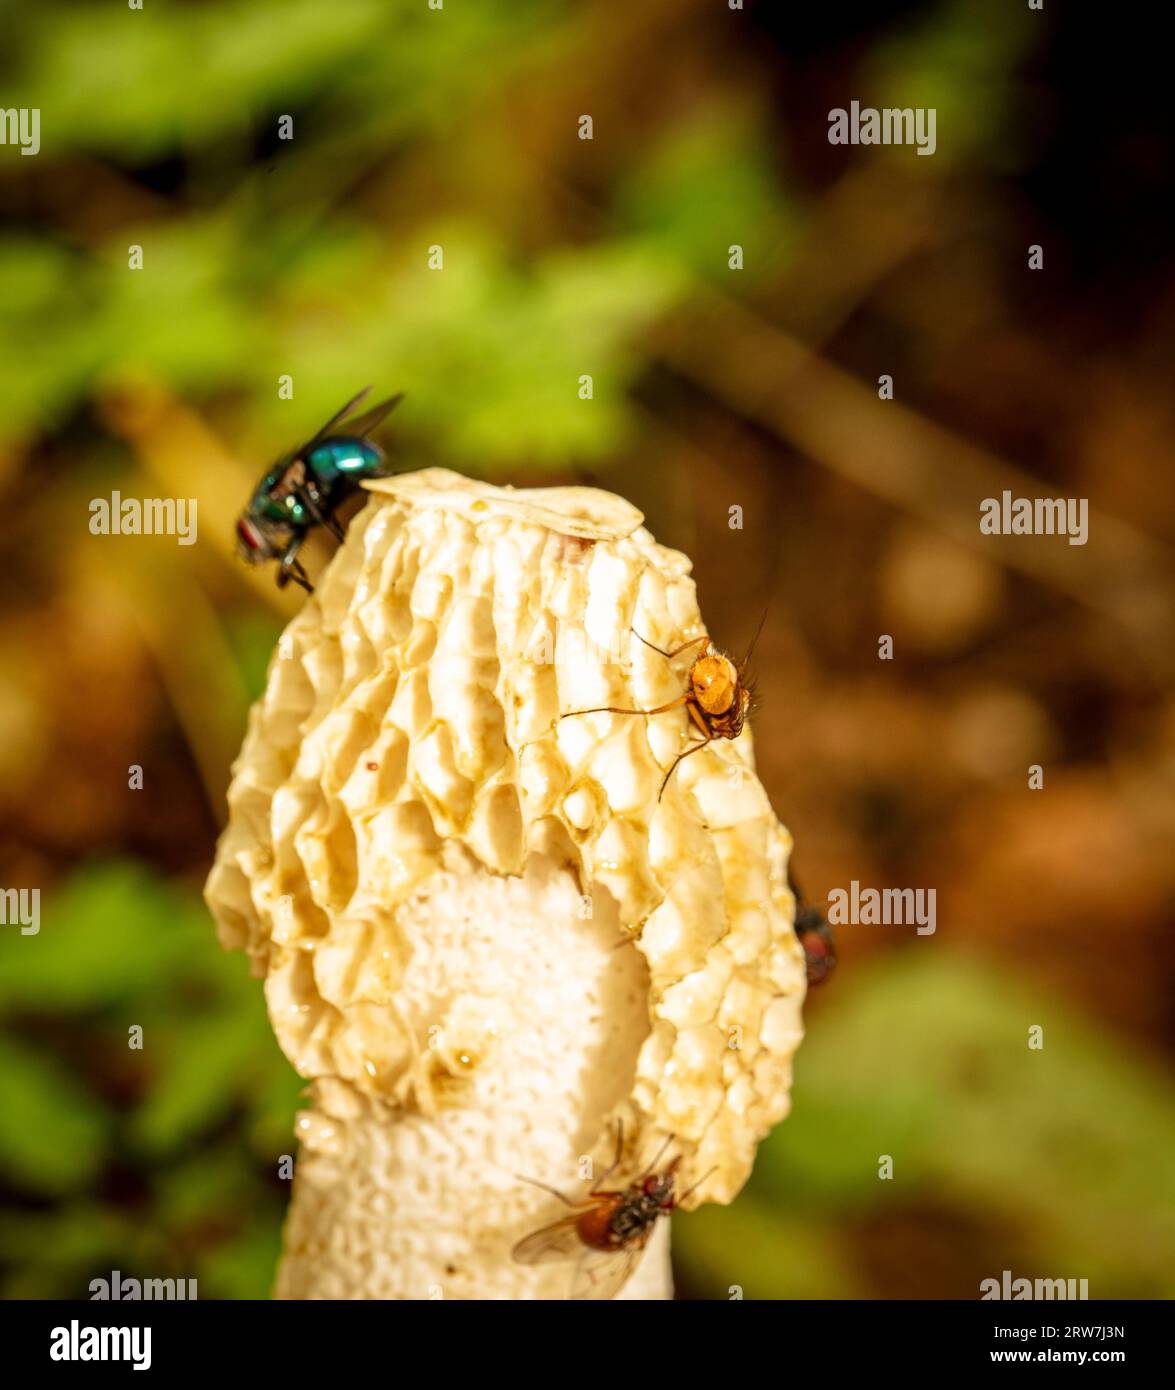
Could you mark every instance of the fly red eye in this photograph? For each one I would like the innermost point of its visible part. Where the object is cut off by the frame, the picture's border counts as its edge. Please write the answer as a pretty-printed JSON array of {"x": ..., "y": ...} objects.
[
  {"x": 253, "y": 544},
  {"x": 652, "y": 1186},
  {"x": 819, "y": 951}
]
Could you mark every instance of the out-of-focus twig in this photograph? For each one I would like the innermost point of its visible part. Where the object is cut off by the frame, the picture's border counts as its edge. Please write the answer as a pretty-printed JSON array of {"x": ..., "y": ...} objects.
[
  {"x": 186, "y": 459},
  {"x": 181, "y": 629},
  {"x": 183, "y": 458}
]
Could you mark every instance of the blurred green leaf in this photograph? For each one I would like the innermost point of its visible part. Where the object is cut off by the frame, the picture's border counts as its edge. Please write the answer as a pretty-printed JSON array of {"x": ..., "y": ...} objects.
[
  {"x": 243, "y": 1267},
  {"x": 253, "y": 637},
  {"x": 54, "y": 1136},
  {"x": 215, "y": 1182},
  {"x": 762, "y": 1251},
  {"x": 195, "y": 74},
  {"x": 106, "y": 935},
  {"x": 707, "y": 186},
  {"x": 199, "y": 1070},
  {"x": 924, "y": 1056},
  {"x": 961, "y": 62},
  {"x": 56, "y": 1253}
]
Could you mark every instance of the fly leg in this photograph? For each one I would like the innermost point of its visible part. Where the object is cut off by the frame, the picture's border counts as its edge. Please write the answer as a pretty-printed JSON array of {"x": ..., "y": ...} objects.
[
  {"x": 691, "y": 1190},
  {"x": 612, "y": 709},
  {"x": 310, "y": 497},
  {"x": 652, "y": 1168},
  {"x": 291, "y": 568},
  {"x": 677, "y": 651},
  {"x": 700, "y": 724},
  {"x": 615, "y": 1162},
  {"x": 554, "y": 1191},
  {"x": 697, "y": 747}
]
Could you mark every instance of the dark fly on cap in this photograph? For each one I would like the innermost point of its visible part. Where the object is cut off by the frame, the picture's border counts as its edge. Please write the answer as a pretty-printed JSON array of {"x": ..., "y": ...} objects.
[{"x": 305, "y": 488}]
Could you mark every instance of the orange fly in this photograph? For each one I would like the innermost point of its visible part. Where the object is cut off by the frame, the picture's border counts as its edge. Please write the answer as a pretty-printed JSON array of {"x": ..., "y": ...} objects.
[
  {"x": 716, "y": 697},
  {"x": 606, "y": 1231}
]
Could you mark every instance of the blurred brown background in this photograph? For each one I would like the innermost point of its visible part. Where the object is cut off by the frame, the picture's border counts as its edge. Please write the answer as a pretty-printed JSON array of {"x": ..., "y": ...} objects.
[{"x": 713, "y": 387}]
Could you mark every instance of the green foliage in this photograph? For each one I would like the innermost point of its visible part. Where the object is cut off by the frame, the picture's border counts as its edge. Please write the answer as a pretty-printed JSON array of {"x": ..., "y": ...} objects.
[
  {"x": 763, "y": 1251},
  {"x": 253, "y": 638},
  {"x": 55, "y": 1253},
  {"x": 722, "y": 153},
  {"x": 925, "y": 1057},
  {"x": 287, "y": 271},
  {"x": 54, "y": 1136},
  {"x": 961, "y": 62},
  {"x": 192, "y": 74},
  {"x": 205, "y": 1106},
  {"x": 101, "y": 944}
]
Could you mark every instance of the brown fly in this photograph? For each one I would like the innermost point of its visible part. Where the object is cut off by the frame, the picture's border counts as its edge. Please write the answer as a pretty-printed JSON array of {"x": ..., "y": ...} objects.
[
  {"x": 608, "y": 1229},
  {"x": 716, "y": 698}
]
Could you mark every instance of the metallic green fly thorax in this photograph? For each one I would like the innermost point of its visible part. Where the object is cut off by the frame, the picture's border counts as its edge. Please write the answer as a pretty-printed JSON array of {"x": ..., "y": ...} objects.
[{"x": 306, "y": 487}]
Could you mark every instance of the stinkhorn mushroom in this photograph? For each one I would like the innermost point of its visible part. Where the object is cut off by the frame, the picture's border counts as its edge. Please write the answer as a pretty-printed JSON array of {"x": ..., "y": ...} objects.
[{"x": 493, "y": 937}]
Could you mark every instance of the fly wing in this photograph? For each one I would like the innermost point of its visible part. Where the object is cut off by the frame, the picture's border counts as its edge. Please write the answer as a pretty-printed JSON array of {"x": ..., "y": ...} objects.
[
  {"x": 558, "y": 1241},
  {"x": 333, "y": 421},
  {"x": 603, "y": 1273},
  {"x": 372, "y": 418}
]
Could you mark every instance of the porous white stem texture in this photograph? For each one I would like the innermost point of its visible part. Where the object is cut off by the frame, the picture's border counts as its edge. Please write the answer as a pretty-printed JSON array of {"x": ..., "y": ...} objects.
[{"x": 532, "y": 1039}]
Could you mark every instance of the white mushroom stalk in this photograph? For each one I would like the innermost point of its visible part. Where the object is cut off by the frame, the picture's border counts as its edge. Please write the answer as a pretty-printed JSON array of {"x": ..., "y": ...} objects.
[{"x": 486, "y": 935}]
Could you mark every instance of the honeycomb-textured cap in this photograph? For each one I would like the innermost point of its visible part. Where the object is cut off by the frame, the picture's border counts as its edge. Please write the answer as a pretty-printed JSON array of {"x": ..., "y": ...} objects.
[{"x": 412, "y": 713}]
